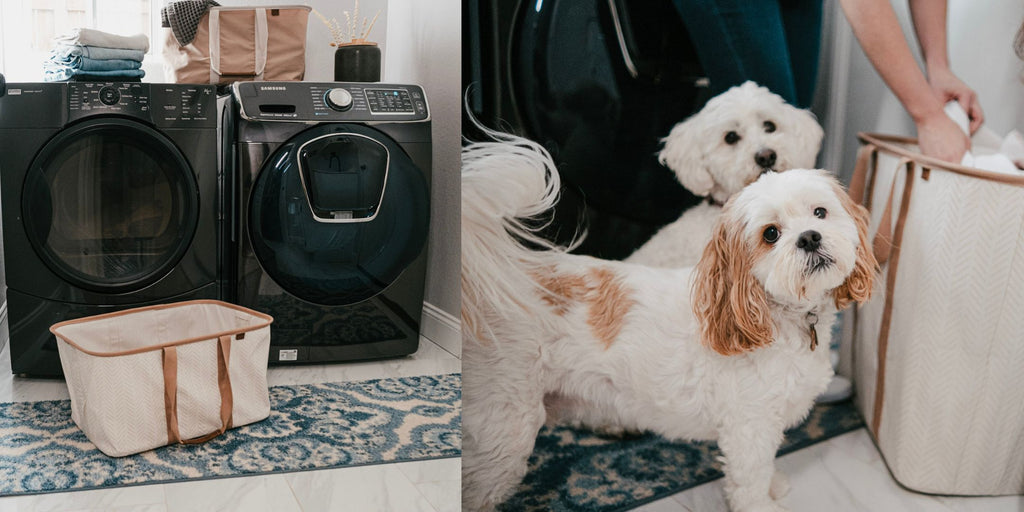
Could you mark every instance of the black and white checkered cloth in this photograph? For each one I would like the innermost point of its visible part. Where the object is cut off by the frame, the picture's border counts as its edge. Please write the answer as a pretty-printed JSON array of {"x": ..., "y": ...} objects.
[{"x": 183, "y": 17}]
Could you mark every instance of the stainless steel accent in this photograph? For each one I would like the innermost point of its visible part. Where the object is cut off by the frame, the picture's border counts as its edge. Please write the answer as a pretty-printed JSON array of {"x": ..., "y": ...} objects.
[{"x": 305, "y": 186}]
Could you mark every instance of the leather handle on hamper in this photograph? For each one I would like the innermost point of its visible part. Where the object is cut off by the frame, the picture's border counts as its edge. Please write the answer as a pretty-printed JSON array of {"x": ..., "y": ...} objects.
[
  {"x": 882, "y": 243},
  {"x": 170, "y": 360}
]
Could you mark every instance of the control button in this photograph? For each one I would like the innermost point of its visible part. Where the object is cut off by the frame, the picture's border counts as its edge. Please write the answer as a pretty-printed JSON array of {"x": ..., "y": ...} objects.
[
  {"x": 109, "y": 96},
  {"x": 339, "y": 99}
]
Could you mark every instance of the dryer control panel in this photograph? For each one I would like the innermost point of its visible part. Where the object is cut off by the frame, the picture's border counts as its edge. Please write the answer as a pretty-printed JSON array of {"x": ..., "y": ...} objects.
[
  {"x": 166, "y": 105},
  {"x": 318, "y": 102}
]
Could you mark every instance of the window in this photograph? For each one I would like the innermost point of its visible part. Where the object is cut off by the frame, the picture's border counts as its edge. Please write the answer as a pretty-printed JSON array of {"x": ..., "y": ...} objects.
[{"x": 27, "y": 29}]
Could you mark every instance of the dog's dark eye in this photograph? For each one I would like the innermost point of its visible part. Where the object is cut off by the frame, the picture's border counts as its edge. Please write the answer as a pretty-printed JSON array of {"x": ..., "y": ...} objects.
[
  {"x": 771, "y": 234},
  {"x": 732, "y": 138},
  {"x": 769, "y": 127},
  {"x": 820, "y": 212}
]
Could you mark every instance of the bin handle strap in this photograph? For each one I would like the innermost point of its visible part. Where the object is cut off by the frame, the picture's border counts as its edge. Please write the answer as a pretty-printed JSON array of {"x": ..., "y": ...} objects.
[
  {"x": 170, "y": 364},
  {"x": 866, "y": 158},
  {"x": 887, "y": 249}
]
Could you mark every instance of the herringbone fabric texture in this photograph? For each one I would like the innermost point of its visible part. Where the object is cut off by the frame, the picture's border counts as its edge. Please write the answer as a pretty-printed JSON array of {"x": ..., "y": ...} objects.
[
  {"x": 119, "y": 401},
  {"x": 952, "y": 416}
]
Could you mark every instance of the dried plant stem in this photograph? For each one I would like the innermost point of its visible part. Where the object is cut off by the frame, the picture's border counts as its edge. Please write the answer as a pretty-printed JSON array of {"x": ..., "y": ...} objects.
[{"x": 367, "y": 32}]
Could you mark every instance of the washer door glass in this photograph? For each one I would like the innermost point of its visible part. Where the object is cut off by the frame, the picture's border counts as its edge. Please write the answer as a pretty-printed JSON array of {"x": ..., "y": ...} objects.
[
  {"x": 110, "y": 205},
  {"x": 337, "y": 213}
]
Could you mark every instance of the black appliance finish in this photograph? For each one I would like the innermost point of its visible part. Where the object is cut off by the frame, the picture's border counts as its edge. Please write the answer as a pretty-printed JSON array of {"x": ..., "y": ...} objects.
[
  {"x": 109, "y": 202},
  {"x": 331, "y": 202},
  {"x": 598, "y": 83}
]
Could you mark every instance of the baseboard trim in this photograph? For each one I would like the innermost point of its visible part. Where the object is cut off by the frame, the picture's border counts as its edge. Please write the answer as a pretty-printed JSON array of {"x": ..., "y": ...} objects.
[{"x": 442, "y": 328}]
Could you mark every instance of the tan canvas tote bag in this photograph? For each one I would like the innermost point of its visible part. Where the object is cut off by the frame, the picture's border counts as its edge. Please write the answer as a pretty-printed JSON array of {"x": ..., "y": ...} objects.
[
  {"x": 241, "y": 43},
  {"x": 938, "y": 352}
]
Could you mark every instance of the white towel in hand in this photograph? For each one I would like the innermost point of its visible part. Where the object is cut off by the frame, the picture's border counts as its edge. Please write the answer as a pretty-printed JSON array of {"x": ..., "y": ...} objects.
[
  {"x": 93, "y": 37},
  {"x": 989, "y": 151}
]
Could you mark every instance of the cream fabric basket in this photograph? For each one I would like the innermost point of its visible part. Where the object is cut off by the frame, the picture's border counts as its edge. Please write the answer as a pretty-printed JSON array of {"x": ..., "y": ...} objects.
[
  {"x": 175, "y": 373},
  {"x": 938, "y": 353}
]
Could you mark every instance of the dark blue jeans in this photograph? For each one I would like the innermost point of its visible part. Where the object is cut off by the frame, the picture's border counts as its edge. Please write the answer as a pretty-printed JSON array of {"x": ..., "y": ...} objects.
[{"x": 772, "y": 42}]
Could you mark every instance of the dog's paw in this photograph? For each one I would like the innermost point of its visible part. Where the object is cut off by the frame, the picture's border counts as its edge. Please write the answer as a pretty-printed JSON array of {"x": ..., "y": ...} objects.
[{"x": 779, "y": 486}]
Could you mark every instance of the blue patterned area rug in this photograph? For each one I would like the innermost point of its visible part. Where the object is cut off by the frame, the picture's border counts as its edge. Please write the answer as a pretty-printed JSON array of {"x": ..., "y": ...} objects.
[
  {"x": 316, "y": 426},
  {"x": 581, "y": 471}
]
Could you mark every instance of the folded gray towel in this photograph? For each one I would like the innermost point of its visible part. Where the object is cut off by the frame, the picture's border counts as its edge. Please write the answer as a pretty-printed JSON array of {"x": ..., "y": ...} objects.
[
  {"x": 183, "y": 17},
  {"x": 93, "y": 37}
]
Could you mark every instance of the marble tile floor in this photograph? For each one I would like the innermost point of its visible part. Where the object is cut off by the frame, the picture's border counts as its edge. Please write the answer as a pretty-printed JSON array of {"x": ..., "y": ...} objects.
[
  {"x": 421, "y": 486},
  {"x": 843, "y": 474}
]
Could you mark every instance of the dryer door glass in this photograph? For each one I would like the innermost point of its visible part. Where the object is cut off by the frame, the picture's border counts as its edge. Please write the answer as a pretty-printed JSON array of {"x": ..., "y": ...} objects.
[
  {"x": 336, "y": 214},
  {"x": 110, "y": 205}
]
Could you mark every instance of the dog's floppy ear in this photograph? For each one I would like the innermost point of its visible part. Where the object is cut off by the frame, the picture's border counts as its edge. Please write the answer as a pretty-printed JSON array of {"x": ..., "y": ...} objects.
[
  {"x": 683, "y": 155},
  {"x": 859, "y": 283},
  {"x": 730, "y": 304},
  {"x": 804, "y": 128}
]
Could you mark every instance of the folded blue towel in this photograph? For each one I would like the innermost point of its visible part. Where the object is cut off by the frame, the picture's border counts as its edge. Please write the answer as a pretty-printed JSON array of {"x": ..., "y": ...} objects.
[
  {"x": 87, "y": 64},
  {"x": 97, "y": 52},
  {"x": 61, "y": 74}
]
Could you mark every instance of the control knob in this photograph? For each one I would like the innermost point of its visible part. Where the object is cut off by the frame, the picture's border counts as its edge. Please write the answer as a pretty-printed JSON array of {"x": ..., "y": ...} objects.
[
  {"x": 339, "y": 99},
  {"x": 109, "y": 96}
]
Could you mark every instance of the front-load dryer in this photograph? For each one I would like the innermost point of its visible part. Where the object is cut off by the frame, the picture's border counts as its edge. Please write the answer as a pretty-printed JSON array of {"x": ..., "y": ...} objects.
[
  {"x": 331, "y": 215},
  {"x": 109, "y": 202}
]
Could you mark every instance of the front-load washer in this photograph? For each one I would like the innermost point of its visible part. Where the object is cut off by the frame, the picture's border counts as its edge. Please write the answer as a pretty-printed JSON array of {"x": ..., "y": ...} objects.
[
  {"x": 110, "y": 195},
  {"x": 331, "y": 215}
]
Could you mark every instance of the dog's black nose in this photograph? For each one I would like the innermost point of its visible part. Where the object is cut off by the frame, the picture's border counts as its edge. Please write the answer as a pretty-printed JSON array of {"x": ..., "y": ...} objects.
[
  {"x": 765, "y": 158},
  {"x": 809, "y": 240}
]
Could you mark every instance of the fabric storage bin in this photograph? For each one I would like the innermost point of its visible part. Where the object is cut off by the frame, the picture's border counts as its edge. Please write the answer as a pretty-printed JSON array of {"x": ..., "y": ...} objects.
[
  {"x": 174, "y": 373},
  {"x": 938, "y": 353},
  {"x": 241, "y": 43}
]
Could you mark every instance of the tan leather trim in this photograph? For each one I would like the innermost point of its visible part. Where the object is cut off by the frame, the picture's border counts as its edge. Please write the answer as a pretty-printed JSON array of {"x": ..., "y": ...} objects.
[
  {"x": 858, "y": 183},
  {"x": 890, "y": 288},
  {"x": 226, "y": 396},
  {"x": 882, "y": 244},
  {"x": 171, "y": 393},
  {"x": 267, "y": 321},
  {"x": 891, "y": 144}
]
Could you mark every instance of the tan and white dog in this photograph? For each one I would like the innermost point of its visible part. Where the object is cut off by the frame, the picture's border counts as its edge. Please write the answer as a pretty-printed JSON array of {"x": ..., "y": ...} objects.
[
  {"x": 723, "y": 351},
  {"x": 740, "y": 134}
]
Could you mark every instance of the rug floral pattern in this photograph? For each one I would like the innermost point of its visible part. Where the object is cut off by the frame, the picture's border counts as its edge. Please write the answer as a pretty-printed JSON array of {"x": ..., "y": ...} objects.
[
  {"x": 315, "y": 426},
  {"x": 582, "y": 471}
]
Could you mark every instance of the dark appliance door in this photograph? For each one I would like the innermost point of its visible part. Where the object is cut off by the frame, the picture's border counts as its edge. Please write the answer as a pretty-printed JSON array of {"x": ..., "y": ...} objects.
[
  {"x": 599, "y": 83},
  {"x": 337, "y": 213},
  {"x": 110, "y": 205},
  {"x": 335, "y": 216}
]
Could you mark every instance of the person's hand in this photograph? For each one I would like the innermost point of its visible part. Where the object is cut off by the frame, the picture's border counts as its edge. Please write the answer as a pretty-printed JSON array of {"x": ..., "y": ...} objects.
[
  {"x": 948, "y": 87},
  {"x": 939, "y": 137}
]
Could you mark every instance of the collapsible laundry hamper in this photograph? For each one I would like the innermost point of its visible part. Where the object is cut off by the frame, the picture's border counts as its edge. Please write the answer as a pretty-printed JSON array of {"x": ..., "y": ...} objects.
[
  {"x": 938, "y": 352},
  {"x": 265, "y": 43},
  {"x": 175, "y": 373}
]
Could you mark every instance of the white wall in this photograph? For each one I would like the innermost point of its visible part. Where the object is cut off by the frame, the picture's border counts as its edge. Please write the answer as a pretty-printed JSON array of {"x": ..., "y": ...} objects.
[
  {"x": 424, "y": 47},
  {"x": 981, "y": 53}
]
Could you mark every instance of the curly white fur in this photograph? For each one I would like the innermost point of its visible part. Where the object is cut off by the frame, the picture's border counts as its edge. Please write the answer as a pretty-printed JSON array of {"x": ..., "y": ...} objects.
[
  {"x": 768, "y": 131},
  {"x": 611, "y": 344}
]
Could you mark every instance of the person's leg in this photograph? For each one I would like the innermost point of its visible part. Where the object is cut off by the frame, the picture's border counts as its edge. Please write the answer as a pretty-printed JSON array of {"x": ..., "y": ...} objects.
[
  {"x": 801, "y": 20},
  {"x": 740, "y": 40}
]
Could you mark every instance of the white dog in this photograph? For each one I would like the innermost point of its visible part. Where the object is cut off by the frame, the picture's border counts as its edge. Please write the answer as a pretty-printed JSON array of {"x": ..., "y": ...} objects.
[
  {"x": 738, "y": 135},
  {"x": 724, "y": 351}
]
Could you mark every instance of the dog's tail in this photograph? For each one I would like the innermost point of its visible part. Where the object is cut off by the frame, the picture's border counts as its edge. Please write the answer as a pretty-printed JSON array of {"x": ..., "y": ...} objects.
[{"x": 507, "y": 187}]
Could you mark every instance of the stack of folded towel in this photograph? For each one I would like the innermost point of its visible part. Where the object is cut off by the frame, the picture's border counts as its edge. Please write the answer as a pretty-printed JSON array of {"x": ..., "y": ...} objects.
[{"x": 86, "y": 54}]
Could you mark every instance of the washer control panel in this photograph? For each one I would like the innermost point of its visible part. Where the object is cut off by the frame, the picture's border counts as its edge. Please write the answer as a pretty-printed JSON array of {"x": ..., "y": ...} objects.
[
  {"x": 330, "y": 102},
  {"x": 166, "y": 105}
]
